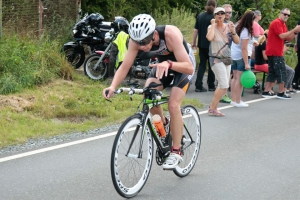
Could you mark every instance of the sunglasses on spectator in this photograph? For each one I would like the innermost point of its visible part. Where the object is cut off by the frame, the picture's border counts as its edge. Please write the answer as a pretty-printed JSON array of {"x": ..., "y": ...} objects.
[
  {"x": 220, "y": 13},
  {"x": 144, "y": 41},
  {"x": 286, "y": 14},
  {"x": 228, "y": 13}
]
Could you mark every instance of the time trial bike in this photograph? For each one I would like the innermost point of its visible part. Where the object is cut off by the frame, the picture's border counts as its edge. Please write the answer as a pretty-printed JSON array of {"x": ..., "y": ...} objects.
[{"x": 133, "y": 149}]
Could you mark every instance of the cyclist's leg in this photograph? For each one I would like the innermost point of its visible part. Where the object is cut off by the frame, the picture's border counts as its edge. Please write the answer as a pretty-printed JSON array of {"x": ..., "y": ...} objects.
[
  {"x": 180, "y": 85},
  {"x": 166, "y": 80},
  {"x": 176, "y": 97}
]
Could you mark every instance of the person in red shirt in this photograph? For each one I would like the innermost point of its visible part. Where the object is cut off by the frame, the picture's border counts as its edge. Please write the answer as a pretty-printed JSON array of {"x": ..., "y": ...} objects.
[{"x": 278, "y": 33}]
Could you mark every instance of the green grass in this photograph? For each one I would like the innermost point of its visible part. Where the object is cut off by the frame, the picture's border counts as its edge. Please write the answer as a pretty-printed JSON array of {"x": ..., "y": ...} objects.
[
  {"x": 61, "y": 107},
  {"x": 42, "y": 96}
]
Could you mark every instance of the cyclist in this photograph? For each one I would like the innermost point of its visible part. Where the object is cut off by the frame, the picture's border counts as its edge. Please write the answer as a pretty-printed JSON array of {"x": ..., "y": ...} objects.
[{"x": 175, "y": 61}]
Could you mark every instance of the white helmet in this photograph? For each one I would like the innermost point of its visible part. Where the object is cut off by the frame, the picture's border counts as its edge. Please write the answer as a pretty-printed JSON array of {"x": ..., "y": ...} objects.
[{"x": 141, "y": 26}]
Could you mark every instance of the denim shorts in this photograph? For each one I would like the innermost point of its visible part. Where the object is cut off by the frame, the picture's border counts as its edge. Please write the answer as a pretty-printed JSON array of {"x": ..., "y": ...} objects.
[
  {"x": 277, "y": 70},
  {"x": 238, "y": 65}
]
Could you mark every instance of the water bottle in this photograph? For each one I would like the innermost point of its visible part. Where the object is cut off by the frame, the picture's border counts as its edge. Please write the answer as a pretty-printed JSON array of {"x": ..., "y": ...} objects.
[{"x": 159, "y": 126}]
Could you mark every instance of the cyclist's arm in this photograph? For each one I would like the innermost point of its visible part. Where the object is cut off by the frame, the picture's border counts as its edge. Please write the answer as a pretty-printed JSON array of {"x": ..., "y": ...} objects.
[{"x": 174, "y": 41}]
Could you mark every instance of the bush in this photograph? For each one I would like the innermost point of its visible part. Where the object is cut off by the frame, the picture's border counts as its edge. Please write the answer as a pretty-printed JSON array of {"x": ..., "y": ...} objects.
[{"x": 27, "y": 62}]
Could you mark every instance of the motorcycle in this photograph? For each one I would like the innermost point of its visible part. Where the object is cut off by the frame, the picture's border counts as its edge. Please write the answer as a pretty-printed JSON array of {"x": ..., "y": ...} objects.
[
  {"x": 89, "y": 36},
  {"x": 140, "y": 68},
  {"x": 96, "y": 65}
]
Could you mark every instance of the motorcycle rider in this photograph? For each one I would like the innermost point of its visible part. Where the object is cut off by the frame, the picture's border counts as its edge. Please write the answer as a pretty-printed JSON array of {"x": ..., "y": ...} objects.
[
  {"x": 175, "y": 56},
  {"x": 119, "y": 45}
]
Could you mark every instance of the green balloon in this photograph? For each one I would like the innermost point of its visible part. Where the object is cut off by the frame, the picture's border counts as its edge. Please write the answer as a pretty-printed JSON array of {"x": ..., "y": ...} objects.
[{"x": 248, "y": 79}]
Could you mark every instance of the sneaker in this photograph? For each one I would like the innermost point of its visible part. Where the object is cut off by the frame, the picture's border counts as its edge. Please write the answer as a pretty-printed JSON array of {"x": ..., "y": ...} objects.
[
  {"x": 283, "y": 96},
  {"x": 201, "y": 89},
  {"x": 172, "y": 161},
  {"x": 291, "y": 91},
  {"x": 241, "y": 105},
  {"x": 211, "y": 89},
  {"x": 225, "y": 99},
  {"x": 232, "y": 103},
  {"x": 267, "y": 94}
]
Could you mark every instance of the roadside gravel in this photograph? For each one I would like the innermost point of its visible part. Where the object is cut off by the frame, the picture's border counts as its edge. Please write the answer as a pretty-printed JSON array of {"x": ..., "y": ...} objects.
[{"x": 33, "y": 144}]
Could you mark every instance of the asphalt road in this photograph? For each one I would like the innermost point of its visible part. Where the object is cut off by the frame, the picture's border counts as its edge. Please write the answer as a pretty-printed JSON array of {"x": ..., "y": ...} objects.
[{"x": 251, "y": 153}]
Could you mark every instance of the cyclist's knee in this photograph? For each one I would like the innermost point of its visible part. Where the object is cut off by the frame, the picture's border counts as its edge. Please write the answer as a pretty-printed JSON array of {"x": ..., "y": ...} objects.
[{"x": 174, "y": 107}]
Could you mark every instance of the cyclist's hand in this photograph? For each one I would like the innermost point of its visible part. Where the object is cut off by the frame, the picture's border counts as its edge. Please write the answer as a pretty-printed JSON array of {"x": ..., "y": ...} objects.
[
  {"x": 161, "y": 69},
  {"x": 108, "y": 92}
]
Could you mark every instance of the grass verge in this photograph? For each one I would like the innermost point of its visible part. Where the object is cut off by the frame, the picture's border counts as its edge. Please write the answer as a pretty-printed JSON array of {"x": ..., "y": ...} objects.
[{"x": 62, "y": 107}]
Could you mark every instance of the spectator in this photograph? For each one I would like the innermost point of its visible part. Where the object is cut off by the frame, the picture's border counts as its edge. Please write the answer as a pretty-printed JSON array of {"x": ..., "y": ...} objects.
[
  {"x": 257, "y": 32},
  {"x": 278, "y": 32},
  {"x": 260, "y": 54},
  {"x": 228, "y": 14},
  {"x": 296, "y": 84},
  {"x": 257, "y": 29},
  {"x": 118, "y": 51},
  {"x": 261, "y": 63},
  {"x": 220, "y": 36},
  {"x": 240, "y": 56},
  {"x": 289, "y": 76},
  {"x": 200, "y": 31}
]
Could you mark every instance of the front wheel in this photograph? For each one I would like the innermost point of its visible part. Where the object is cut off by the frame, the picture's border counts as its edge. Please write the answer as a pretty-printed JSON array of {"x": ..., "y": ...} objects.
[
  {"x": 191, "y": 140},
  {"x": 95, "y": 72},
  {"x": 131, "y": 157},
  {"x": 75, "y": 57}
]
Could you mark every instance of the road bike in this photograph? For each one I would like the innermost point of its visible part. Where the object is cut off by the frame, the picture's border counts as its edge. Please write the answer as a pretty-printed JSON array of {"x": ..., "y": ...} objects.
[{"x": 133, "y": 149}]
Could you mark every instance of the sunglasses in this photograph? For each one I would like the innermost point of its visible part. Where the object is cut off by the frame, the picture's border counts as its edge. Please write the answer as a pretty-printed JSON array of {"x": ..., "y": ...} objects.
[
  {"x": 144, "y": 41},
  {"x": 286, "y": 14},
  {"x": 228, "y": 13},
  {"x": 220, "y": 13}
]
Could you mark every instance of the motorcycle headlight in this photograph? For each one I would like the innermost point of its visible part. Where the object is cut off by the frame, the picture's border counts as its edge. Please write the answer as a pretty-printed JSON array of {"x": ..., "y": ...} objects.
[
  {"x": 74, "y": 31},
  {"x": 112, "y": 31},
  {"x": 107, "y": 37}
]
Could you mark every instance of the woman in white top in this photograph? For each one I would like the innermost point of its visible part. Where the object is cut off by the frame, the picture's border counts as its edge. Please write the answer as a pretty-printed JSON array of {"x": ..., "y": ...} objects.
[
  {"x": 220, "y": 36},
  {"x": 240, "y": 57}
]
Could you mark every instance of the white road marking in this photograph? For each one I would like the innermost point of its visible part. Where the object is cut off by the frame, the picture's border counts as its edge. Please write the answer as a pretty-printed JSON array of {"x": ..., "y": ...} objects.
[{"x": 21, "y": 155}]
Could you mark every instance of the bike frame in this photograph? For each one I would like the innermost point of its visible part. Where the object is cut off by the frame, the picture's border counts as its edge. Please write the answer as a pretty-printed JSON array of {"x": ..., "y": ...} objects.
[{"x": 146, "y": 121}]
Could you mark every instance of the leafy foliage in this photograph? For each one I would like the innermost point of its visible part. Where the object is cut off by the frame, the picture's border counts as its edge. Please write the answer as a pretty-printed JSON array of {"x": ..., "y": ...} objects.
[
  {"x": 26, "y": 63},
  {"x": 129, "y": 8}
]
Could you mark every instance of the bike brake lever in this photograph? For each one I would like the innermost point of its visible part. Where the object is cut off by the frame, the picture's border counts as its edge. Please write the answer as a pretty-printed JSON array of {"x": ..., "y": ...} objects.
[{"x": 106, "y": 93}]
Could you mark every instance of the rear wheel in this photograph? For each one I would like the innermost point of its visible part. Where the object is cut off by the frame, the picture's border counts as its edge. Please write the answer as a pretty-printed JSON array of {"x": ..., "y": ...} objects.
[
  {"x": 132, "y": 156},
  {"x": 76, "y": 58},
  {"x": 99, "y": 72},
  {"x": 191, "y": 140}
]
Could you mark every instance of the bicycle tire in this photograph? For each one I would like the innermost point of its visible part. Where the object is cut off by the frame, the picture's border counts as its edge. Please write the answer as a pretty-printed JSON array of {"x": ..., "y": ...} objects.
[
  {"x": 101, "y": 71},
  {"x": 190, "y": 148},
  {"x": 130, "y": 173}
]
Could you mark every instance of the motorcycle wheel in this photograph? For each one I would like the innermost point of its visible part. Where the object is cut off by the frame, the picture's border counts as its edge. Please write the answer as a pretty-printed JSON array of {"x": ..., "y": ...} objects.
[
  {"x": 97, "y": 73},
  {"x": 75, "y": 58}
]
